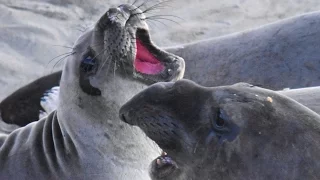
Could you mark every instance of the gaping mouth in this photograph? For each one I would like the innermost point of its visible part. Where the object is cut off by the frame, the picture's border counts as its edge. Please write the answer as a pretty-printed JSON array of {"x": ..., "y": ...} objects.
[
  {"x": 147, "y": 55},
  {"x": 145, "y": 62},
  {"x": 163, "y": 166},
  {"x": 153, "y": 64}
]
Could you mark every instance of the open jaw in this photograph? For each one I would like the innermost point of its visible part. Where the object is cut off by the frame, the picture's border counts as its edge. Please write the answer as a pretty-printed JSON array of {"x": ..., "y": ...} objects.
[
  {"x": 145, "y": 62},
  {"x": 153, "y": 63},
  {"x": 163, "y": 166}
]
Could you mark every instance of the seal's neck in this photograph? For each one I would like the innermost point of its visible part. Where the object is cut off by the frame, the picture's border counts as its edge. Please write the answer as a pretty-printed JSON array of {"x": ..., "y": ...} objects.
[
  {"x": 116, "y": 89},
  {"x": 93, "y": 123}
]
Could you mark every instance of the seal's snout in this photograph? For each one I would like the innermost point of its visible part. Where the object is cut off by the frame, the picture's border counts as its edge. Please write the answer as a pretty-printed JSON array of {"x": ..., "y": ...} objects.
[
  {"x": 118, "y": 14},
  {"x": 122, "y": 10},
  {"x": 123, "y": 118},
  {"x": 123, "y": 115},
  {"x": 126, "y": 115}
]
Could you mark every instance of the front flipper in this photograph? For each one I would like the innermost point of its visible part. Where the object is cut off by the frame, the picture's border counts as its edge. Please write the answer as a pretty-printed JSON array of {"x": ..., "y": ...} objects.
[{"x": 23, "y": 106}]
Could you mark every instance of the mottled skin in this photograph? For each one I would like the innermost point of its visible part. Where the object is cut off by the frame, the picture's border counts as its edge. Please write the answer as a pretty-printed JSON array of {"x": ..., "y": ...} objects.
[
  {"x": 84, "y": 138},
  {"x": 227, "y": 132}
]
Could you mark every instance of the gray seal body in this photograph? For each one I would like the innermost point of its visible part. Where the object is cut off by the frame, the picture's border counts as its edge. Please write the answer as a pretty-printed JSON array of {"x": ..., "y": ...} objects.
[
  {"x": 284, "y": 54},
  {"x": 226, "y": 132}
]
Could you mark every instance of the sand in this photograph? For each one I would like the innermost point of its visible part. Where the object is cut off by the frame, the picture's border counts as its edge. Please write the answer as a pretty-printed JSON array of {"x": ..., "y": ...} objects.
[{"x": 33, "y": 32}]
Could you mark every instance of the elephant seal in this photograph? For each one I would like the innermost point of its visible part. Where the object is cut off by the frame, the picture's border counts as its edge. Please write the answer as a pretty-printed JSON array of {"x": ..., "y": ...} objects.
[
  {"x": 275, "y": 56},
  {"x": 84, "y": 138},
  {"x": 227, "y": 132}
]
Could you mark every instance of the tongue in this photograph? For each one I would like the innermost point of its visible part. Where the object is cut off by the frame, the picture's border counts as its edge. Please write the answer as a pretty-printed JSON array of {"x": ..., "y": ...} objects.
[{"x": 145, "y": 62}]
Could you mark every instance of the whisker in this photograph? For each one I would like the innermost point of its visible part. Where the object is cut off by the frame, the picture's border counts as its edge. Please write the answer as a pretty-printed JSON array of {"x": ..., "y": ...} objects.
[
  {"x": 144, "y": 3},
  {"x": 96, "y": 45},
  {"x": 158, "y": 22},
  {"x": 195, "y": 147},
  {"x": 81, "y": 30},
  {"x": 108, "y": 67},
  {"x": 148, "y": 11},
  {"x": 166, "y": 16},
  {"x": 124, "y": 68},
  {"x": 151, "y": 9},
  {"x": 114, "y": 73},
  {"x": 99, "y": 53},
  {"x": 102, "y": 51},
  {"x": 135, "y": 1},
  {"x": 58, "y": 57},
  {"x": 165, "y": 19},
  {"x": 156, "y": 5},
  {"x": 152, "y": 24},
  {"x": 61, "y": 60},
  {"x": 100, "y": 69},
  {"x": 68, "y": 47}
]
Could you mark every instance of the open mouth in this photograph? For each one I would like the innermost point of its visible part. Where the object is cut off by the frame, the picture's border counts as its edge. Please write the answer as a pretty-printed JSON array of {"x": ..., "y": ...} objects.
[
  {"x": 149, "y": 59},
  {"x": 145, "y": 62},
  {"x": 164, "y": 166}
]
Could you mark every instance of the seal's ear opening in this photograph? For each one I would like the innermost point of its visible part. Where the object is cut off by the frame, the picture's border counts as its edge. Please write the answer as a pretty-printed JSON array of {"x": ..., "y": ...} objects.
[{"x": 88, "y": 67}]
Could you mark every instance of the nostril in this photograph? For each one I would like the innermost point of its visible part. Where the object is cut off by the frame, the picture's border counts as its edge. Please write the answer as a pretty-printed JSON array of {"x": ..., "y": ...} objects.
[{"x": 123, "y": 118}]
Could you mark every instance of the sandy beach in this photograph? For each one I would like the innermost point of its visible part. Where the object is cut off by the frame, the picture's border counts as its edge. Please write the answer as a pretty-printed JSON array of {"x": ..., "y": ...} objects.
[{"x": 34, "y": 32}]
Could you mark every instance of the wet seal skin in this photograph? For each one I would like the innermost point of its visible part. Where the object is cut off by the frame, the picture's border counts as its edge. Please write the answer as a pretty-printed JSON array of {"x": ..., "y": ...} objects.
[
  {"x": 228, "y": 132},
  {"x": 84, "y": 138}
]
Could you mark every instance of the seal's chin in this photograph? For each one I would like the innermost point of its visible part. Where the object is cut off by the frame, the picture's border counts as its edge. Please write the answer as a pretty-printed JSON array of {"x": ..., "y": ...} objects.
[{"x": 145, "y": 62}]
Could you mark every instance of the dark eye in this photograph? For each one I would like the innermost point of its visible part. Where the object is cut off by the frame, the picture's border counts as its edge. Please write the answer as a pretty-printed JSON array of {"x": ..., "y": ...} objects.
[
  {"x": 88, "y": 64},
  {"x": 219, "y": 121}
]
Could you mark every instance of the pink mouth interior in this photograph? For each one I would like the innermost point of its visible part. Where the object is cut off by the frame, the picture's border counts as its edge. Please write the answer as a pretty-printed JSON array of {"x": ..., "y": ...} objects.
[{"x": 145, "y": 62}]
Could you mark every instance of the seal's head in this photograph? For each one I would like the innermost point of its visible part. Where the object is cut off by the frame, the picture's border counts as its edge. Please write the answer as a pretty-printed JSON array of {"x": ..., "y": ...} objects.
[
  {"x": 119, "y": 46},
  {"x": 231, "y": 132},
  {"x": 112, "y": 61}
]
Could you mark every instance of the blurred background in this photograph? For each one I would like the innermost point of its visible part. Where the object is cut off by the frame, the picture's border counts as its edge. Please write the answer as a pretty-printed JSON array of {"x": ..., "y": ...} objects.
[{"x": 32, "y": 32}]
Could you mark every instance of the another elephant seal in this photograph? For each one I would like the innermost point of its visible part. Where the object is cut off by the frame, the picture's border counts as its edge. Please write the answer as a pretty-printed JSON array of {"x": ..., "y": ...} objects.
[
  {"x": 83, "y": 138},
  {"x": 275, "y": 56},
  {"x": 228, "y": 132}
]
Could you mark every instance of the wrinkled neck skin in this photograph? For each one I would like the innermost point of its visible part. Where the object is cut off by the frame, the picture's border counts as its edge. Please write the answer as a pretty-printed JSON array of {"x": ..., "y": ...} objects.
[{"x": 104, "y": 142}]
